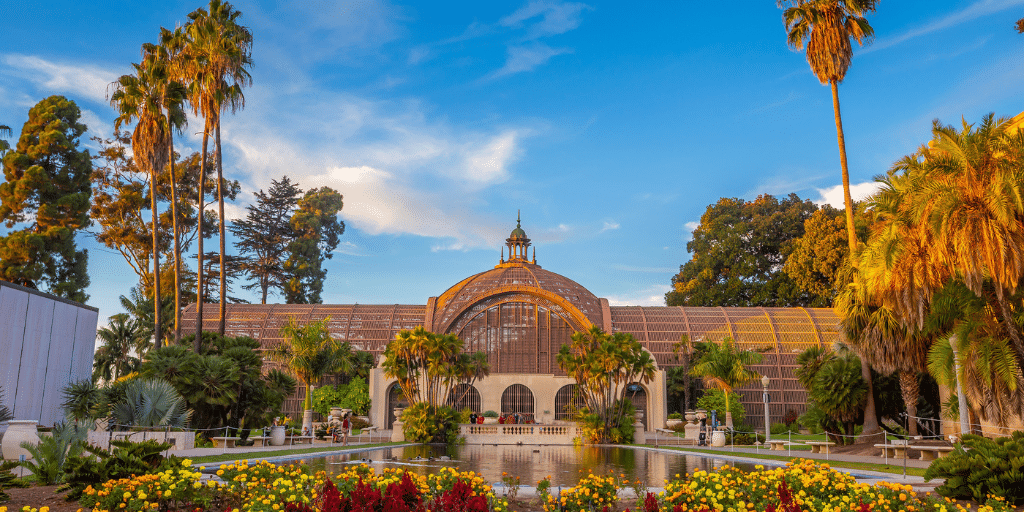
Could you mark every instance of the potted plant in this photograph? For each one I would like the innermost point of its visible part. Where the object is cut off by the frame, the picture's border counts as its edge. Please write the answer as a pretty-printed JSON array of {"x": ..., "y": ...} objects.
[
  {"x": 277, "y": 433},
  {"x": 490, "y": 418},
  {"x": 673, "y": 420}
]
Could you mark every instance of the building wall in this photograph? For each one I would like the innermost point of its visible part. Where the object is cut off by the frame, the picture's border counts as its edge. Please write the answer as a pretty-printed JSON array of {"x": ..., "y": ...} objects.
[{"x": 45, "y": 343}]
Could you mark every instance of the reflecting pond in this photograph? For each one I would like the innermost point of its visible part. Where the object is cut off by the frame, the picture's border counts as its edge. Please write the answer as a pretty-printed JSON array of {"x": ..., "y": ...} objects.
[{"x": 565, "y": 464}]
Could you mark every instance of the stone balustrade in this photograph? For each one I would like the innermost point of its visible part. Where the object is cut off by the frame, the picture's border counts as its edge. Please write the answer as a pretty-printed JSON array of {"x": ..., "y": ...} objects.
[{"x": 519, "y": 434}]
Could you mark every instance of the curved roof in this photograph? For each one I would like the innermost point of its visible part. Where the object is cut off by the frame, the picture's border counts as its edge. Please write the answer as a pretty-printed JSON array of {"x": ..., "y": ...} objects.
[{"x": 513, "y": 278}]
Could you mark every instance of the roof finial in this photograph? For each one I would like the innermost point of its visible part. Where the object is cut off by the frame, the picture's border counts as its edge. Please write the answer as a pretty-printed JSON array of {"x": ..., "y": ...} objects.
[{"x": 517, "y": 219}]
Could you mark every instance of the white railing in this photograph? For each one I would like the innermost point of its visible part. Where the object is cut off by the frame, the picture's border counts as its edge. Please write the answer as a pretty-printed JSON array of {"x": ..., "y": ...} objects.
[{"x": 519, "y": 434}]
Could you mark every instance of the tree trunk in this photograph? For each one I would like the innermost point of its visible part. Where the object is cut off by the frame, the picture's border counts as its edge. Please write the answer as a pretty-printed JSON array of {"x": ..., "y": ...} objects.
[
  {"x": 869, "y": 433},
  {"x": 910, "y": 391},
  {"x": 177, "y": 249},
  {"x": 199, "y": 242},
  {"x": 851, "y": 232},
  {"x": 220, "y": 205},
  {"x": 157, "y": 334},
  {"x": 1011, "y": 328}
]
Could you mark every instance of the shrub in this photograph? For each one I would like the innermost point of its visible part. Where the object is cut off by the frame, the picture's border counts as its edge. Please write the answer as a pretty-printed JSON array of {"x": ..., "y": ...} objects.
[
  {"x": 779, "y": 428},
  {"x": 127, "y": 459},
  {"x": 714, "y": 400},
  {"x": 746, "y": 439},
  {"x": 8, "y": 480},
  {"x": 49, "y": 456},
  {"x": 490, "y": 414},
  {"x": 790, "y": 417},
  {"x": 424, "y": 424},
  {"x": 675, "y": 416},
  {"x": 355, "y": 395},
  {"x": 980, "y": 467}
]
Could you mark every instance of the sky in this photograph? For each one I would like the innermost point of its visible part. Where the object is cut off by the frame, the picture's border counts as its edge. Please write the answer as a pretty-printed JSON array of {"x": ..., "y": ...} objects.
[{"x": 611, "y": 126}]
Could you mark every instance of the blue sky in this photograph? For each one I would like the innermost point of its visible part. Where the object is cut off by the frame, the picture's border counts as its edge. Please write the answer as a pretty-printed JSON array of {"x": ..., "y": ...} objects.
[{"x": 611, "y": 125}]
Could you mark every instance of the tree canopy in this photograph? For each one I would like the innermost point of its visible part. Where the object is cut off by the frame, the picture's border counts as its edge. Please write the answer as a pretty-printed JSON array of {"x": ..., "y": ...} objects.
[{"x": 738, "y": 252}]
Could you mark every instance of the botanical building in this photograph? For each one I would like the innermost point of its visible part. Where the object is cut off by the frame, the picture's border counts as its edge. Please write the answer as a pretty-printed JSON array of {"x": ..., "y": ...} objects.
[{"x": 520, "y": 314}]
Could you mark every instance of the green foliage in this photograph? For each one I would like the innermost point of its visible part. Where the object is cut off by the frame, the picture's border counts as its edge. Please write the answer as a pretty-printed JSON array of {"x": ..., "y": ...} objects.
[
  {"x": 8, "y": 480},
  {"x": 604, "y": 366},
  {"x": 618, "y": 429},
  {"x": 81, "y": 400},
  {"x": 738, "y": 252},
  {"x": 127, "y": 458},
  {"x": 317, "y": 232},
  {"x": 426, "y": 424},
  {"x": 355, "y": 395},
  {"x": 151, "y": 403},
  {"x": 981, "y": 467},
  {"x": 675, "y": 416},
  {"x": 491, "y": 414},
  {"x": 836, "y": 390},
  {"x": 122, "y": 338},
  {"x": 746, "y": 439},
  {"x": 724, "y": 366},
  {"x": 310, "y": 352},
  {"x": 714, "y": 400},
  {"x": 49, "y": 456},
  {"x": 428, "y": 365},
  {"x": 47, "y": 186},
  {"x": 779, "y": 428}
]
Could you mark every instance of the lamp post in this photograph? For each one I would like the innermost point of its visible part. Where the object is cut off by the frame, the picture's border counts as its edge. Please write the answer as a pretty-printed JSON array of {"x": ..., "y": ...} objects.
[{"x": 767, "y": 426}]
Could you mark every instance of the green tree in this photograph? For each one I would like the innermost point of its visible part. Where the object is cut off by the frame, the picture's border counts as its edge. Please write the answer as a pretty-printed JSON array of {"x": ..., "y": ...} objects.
[
  {"x": 724, "y": 366},
  {"x": 310, "y": 353},
  {"x": 317, "y": 233},
  {"x": 265, "y": 234},
  {"x": 738, "y": 252},
  {"x": 123, "y": 341},
  {"x": 826, "y": 27},
  {"x": 604, "y": 366},
  {"x": 47, "y": 187},
  {"x": 215, "y": 58},
  {"x": 816, "y": 260},
  {"x": 835, "y": 387}
]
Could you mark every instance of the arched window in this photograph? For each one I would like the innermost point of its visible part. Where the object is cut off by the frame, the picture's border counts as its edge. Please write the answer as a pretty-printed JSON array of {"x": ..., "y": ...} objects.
[
  {"x": 395, "y": 400},
  {"x": 464, "y": 396},
  {"x": 568, "y": 400},
  {"x": 638, "y": 395},
  {"x": 518, "y": 398}
]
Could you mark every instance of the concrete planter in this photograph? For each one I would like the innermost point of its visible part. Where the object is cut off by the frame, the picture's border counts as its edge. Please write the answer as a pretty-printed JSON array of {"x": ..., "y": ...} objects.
[
  {"x": 277, "y": 435},
  {"x": 19, "y": 431}
]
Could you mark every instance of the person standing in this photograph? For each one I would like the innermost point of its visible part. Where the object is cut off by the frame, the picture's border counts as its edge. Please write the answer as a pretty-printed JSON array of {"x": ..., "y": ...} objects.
[{"x": 346, "y": 428}]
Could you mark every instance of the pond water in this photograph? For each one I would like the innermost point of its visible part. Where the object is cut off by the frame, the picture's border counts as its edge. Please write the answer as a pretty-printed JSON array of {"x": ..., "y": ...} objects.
[{"x": 564, "y": 464}]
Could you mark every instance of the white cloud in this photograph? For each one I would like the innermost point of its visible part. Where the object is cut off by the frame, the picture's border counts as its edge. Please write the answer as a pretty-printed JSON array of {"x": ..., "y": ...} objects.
[
  {"x": 81, "y": 80},
  {"x": 973, "y": 11},
  {"x": 526, "y": 58},
  {"x": 653, "y": 295},
  {"x": 487, "y": 164},
  {"x": 858, "y": 191},
  {"x": 608, "y": 226},
  {"x": 555, "y": 18}
]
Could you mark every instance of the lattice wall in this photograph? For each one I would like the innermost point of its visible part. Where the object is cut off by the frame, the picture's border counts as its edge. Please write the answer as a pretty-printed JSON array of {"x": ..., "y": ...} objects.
[
  {"x": 518, "y": 337},
  {"x": 780, "y": 333}
]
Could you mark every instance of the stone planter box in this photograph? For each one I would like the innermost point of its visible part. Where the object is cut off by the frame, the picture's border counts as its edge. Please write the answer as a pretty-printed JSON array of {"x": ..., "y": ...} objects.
[
  {"x": 178, "y": 440},
  {"x": 672, "y": 423}
]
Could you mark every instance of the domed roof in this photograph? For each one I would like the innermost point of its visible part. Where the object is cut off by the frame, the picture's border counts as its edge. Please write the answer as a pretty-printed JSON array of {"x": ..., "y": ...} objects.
[
  {"x": 517, "y": 233},
  {"x": 573, "y": 300}
]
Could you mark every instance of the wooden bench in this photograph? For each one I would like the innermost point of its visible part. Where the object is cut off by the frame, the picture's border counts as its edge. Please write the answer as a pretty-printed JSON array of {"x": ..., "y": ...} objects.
[
  {"x": 932, "y": 452},
  {"x": 260, "y": 440},
  {"x": 224, "y": 442},
  {"x": 819, "y": 446},
  {"x": 300, "y": 440}
]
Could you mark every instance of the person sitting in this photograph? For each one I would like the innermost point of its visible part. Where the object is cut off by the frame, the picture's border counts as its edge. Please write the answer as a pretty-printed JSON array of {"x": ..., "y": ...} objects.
[
  {"x": 501, "y": 419},
  {"x": 472, "y": 418}
]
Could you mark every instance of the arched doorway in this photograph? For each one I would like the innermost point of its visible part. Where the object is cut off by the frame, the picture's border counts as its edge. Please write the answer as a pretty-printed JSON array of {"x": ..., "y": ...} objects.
[
  {"x": 395, "y": 400},
  {"x": 464, "y": 396},
  {"x": 518, "y": 398},
  {"x": 638, "y": 395},
  {"x": 568, "y": 400}
]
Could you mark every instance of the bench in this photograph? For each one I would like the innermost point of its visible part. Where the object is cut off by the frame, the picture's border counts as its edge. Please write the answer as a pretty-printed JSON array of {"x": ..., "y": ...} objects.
[
  {"x": 819, "y": 446},
  {"x": 894, "y": 450},
  {"x": 300, "y": 440},
  {"x": 932, "y": 452},
  {"x": 782, "y": 444},
  {"x": 224, "y": 442},
  {"x": 259, "y": 440}
]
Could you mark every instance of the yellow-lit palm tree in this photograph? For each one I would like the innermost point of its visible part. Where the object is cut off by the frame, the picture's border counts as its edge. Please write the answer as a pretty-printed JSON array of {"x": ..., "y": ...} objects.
[
  {"x": 217, "y": 55},
  {"x": 310, "y": 353},
  {"x": 725, "y": 367}
]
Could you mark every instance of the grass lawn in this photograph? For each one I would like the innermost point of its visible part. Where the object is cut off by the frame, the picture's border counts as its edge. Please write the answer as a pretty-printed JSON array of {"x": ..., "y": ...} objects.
[
  {"x": 231, "y": 457},
  {"x": 882, "y": 468}
]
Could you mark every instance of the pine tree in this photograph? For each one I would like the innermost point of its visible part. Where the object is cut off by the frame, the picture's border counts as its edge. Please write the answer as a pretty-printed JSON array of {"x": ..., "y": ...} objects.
[
  {"x": 265, "y": 234},
  {"x": 318, "y": 233},
  {"x": 47, "y": 188}
]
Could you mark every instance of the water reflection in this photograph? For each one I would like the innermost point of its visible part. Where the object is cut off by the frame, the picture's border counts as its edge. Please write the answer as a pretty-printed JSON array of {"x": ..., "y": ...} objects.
[{"x": 565, "y": 464}]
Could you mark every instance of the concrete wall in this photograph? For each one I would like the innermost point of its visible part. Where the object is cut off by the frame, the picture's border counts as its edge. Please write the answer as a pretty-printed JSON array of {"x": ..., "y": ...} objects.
[{"x": 45, "y": 343}]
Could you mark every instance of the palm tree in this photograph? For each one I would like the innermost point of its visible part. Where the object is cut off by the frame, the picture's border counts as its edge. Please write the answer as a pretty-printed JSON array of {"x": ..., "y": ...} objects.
[
  {"x": 723, "y": 366},
  {"x": 826, "y": 27},
  {"x": 141, "y": 98},
  {"x": 218, "y": 53},
  {"x": 117, "y": 357},
  {"x": 310, "y": 352},
  {"x": 165, "y": 55}
]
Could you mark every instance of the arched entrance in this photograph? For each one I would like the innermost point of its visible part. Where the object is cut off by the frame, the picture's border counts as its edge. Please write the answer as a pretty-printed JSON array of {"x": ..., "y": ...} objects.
[
  {"x": 395, "y": 400},
  {"x": 464, "y": 396},
  {"x": 638, "y": 395},
  {"x": 518, "y": 398},
  {"x": 568, "y": 400}
]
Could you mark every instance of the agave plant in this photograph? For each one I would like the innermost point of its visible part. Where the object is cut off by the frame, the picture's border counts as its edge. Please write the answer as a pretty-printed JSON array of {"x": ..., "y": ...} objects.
[{"x": 151, "y": 403}]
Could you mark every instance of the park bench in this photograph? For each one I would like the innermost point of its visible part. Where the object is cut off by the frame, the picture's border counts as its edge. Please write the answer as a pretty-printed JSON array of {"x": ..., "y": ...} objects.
[
  {"x": 895, "y": 449},
  {"x": 259, "y": 440},
  {"x": 781, "y": 444},
  {"x": 224, "y": 442},
  {"x": 819, "y": 446},
  {"x": 301, "y": 439},
  {"x": 932, "y": 452}
]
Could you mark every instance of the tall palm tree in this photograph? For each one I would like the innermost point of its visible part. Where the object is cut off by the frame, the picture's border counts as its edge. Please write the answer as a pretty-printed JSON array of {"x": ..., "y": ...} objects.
[
  {"x": 123, "y": 341},
  {"x": 310, "y": 352},
  {"x": 164, "y": 55},
  {"x": 826, "y": 27},
  {"x": 218, "y": 51},
  {"x": 141, "y": 98},
  {"x": 725, "y": 367}
]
